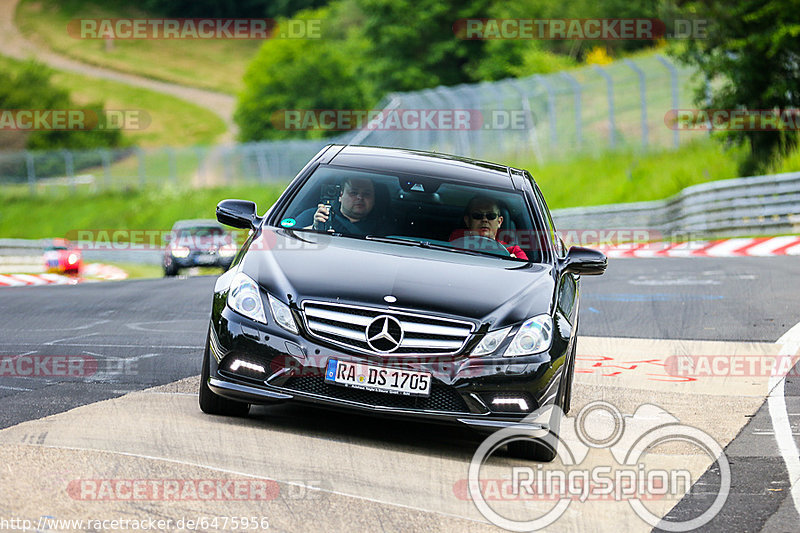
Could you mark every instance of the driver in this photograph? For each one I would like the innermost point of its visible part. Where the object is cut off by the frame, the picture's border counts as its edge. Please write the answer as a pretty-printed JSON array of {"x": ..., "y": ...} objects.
[
  {"x": 482, "y": 219},
  {"x": 353, "y": 213}
]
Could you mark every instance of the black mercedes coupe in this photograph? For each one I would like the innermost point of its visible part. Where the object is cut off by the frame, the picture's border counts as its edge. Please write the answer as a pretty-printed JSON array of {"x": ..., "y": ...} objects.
[{"x": 400, "y": 283}]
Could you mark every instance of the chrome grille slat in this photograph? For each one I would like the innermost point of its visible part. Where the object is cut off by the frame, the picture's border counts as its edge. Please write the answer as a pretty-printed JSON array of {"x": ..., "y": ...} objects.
[
  {"x": 337, "y": 316},
  {"x": 433, "y": 343},
  {"x": 444, "y": 331},
  {"x": 346, "y": 325},
  {"x": 335, "y": 330}
]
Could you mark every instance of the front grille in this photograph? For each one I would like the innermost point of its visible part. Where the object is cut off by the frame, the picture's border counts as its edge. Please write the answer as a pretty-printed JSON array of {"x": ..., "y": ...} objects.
[
  {"x": 442, "y": 398},
  {"x": 346, "y": 325}
]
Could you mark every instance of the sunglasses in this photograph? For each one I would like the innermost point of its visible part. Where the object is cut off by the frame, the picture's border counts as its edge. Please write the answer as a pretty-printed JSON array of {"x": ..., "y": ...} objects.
[{"x": 477, "y": 215}]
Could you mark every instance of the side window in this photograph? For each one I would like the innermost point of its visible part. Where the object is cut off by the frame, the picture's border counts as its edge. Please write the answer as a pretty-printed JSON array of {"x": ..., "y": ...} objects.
[{"x": 552, "y": 236}]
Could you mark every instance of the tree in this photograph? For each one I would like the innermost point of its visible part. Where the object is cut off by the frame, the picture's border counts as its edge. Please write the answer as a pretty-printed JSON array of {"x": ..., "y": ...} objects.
[
  {"x": 301, "y": 74},
  {"x": 752, "y": 48},
  {"x": 411, "y": 44}
]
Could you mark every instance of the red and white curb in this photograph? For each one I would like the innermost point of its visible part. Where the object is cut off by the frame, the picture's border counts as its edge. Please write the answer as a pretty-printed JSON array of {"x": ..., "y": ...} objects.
[
  {"x": 91, "y": 272},
  {"x": 739, "y": 247}
]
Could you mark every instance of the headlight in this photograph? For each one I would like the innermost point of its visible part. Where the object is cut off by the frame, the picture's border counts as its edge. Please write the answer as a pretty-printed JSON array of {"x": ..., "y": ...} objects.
[
  {"x": 245, "y": 298},
  {"x": 491, "y": 341},
  {"x": 283, "y": 315},
  {"x": 181, "y": 252},
  {"x": 227, "y": 251},
  {"x": 534, "y": 336},
  {"x": 72, "y": 259}
]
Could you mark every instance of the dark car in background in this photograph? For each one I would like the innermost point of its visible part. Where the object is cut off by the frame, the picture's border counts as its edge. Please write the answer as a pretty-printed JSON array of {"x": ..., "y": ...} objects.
[
  {"x": 197, "y": 243},
  {"x": 410, "y": 315}
]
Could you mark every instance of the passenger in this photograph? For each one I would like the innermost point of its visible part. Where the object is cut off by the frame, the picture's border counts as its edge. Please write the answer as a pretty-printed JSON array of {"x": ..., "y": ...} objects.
[
  {"x": 482, "y": 218},
  {"x": 353, "y": 212}
]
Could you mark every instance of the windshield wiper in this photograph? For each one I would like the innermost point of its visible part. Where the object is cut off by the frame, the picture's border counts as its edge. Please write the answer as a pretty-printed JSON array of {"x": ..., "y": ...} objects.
[{"x": 432, "y": 246}]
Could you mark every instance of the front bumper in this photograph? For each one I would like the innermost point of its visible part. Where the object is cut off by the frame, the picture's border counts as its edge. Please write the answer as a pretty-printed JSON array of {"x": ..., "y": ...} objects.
[{"x": 293, "y": 370}]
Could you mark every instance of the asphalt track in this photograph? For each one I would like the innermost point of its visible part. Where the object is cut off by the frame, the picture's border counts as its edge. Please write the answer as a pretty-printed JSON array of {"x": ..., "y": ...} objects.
[{"x": 136, "y": 416}]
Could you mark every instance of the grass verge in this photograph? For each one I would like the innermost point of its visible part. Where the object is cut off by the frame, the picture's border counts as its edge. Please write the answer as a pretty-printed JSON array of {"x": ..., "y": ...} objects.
[
  {"x": 630, "y": 176},
  {"x": 156, "y": 209},
  {"x": 215, "y": 64},
  {"x": 173, "y": 121}
]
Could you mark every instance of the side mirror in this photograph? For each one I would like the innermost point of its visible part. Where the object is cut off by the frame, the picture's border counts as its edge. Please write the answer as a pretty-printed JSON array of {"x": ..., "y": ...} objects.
[
  {"x": 584, "y": 261},
  {"x": 238, "y": 214}
]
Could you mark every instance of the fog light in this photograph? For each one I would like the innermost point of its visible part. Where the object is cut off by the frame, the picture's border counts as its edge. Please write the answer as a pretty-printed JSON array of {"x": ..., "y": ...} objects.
[
  {"x": 519, "y": 402},
  {"x": 510, "y": 402},
  {"x": 238, "y": 363}
]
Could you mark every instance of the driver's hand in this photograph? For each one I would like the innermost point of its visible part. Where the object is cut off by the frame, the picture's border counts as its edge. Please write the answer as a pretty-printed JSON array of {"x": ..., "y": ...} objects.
[{"x": 321, "y": 216}]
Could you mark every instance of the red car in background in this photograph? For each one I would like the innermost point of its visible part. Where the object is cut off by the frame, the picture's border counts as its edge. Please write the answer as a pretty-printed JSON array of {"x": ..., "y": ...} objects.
[{"x": 62, "y": 257}]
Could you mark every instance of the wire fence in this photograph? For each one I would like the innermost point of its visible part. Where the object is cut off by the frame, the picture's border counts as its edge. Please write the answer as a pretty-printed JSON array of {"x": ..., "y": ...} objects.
[{"x": 583, "y": 111}]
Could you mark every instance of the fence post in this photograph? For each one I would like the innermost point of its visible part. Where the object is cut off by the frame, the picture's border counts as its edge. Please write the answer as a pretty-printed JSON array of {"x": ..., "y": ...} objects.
[
  {"x": 200, "y": 165},
  {"x": 576, "y": 88},
  {"x": 551, "y": 109},
  {"x": 642, "y": 97},
  {"x": 263, "y": 171},
  {"x": 69, "y": 168},
  {"x": 142, "y": 173},
  {"x": 29, "y": 164},
  {"x": 227, "y": 164},
  {"x": 530, "y": 122},
  {"x": 673, "y": 72},
  {"x": 612, "y": 127},
  {"x": 105, "y": 157}
]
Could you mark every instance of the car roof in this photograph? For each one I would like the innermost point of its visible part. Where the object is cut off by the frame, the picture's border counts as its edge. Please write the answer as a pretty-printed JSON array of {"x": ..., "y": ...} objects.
[
  {"x": 197, "y": 223},
  {"x": 422, "y": 163}
]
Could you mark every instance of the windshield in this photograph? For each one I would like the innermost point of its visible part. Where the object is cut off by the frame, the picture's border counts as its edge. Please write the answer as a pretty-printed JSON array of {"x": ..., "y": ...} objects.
[{"x": 415, "y": 211}]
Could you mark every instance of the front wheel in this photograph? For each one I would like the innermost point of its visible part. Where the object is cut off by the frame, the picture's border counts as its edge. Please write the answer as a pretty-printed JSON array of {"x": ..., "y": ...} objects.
[
  {"x": 545, "y": 449},
  {"x": 211, "y": 403}
]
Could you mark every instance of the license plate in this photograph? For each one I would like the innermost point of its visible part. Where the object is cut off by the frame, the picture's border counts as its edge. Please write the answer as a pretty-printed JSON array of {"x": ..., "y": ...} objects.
[
  {"x": 205, "y": 259},
  {"x": 377, "y": 378}
]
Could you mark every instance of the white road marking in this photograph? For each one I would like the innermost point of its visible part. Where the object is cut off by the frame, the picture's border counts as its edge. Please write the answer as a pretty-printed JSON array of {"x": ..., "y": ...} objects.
[
  {"x": 76, "y": 328},
  {"x": 15, "y": 388},
  {"x": 51, "y": 343},
  {"x": 790, "y": 344},
  {"x": 141, "y": 326}
]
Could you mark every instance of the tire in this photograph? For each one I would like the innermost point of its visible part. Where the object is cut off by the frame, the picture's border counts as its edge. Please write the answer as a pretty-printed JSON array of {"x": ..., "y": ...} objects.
[
  {"x": 213, "y": 404},
  {"x": 545, "y": 450},
  {"x": 170, "y": 271}
]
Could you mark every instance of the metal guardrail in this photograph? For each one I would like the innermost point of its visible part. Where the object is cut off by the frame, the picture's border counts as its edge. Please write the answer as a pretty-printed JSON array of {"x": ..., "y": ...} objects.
[
  {"x": 728, "y": 208},
  {"x": 760, "y": 205}
]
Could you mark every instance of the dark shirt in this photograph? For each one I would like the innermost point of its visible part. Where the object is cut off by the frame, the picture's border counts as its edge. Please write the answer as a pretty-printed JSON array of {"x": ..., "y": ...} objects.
[{"x": 371, "y": 225}]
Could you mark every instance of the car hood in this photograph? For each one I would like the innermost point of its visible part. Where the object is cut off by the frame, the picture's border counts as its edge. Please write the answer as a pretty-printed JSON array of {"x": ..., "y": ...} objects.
[{"x": 311, "y": 266}]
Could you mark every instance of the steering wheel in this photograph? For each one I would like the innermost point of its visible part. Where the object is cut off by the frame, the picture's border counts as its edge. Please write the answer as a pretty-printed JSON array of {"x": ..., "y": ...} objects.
[{"x": 481, "y": 243}]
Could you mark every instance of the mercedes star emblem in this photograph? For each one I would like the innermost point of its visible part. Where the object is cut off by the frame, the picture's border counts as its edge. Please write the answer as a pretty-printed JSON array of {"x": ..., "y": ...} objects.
[{"x": 384, "y": 334}]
